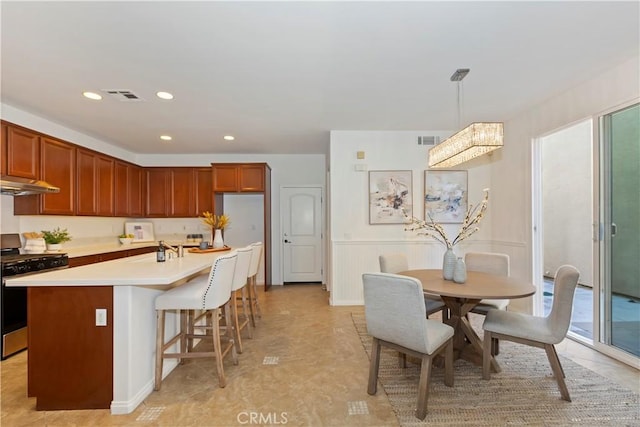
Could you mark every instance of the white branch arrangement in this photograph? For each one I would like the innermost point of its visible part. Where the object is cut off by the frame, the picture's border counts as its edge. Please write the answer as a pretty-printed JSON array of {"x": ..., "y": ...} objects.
[{"x": 469, "y": 226}]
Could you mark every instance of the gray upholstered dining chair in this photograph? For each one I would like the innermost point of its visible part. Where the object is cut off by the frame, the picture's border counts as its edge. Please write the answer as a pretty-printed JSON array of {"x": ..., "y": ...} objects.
[
  {"x": 395, "y": 263},
  {"x": 492, "y": 263},
  {"x": 396, "y": 318},
  {"x": 542, "y": 332}
]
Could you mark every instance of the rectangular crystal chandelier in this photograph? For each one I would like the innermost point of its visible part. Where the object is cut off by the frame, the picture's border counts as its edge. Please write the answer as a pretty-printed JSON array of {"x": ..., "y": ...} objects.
[{"x": 473, "y": 141}]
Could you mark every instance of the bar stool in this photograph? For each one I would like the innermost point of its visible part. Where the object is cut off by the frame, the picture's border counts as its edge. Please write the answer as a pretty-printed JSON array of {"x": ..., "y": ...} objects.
[
  {"x": 239, "y": 285},
  {"x": 208, "y": 293},
  {"x": 254, "y": 305}
]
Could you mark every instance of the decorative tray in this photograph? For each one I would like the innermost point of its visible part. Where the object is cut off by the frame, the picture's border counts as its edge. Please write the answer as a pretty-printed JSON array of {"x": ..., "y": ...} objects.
[{"x": 204, "y": 251}]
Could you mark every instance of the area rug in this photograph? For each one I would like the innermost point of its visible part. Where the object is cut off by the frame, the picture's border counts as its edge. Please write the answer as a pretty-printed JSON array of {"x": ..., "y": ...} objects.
[{"x": 524, "y": 393}]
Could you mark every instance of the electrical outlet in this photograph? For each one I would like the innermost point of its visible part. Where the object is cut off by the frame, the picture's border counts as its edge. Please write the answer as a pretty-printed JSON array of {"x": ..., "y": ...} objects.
[{"x": 101, "y": 317}]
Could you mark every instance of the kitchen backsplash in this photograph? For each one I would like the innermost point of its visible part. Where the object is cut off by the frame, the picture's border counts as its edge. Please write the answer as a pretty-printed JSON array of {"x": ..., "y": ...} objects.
[{"x": 91, "y": 230}]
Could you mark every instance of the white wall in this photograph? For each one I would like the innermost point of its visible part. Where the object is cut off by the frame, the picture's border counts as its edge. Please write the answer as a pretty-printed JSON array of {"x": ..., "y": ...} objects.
[
  {"x": 355, "y": 244},
  {"x": 566, "y": 199},
  {"x": 511, "y": 176},
  {"x": 286, "y": 170}
]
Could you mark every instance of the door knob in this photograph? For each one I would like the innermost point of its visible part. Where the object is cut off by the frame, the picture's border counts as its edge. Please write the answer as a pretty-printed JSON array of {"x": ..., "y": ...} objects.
[{"x": 286, "y": 241}]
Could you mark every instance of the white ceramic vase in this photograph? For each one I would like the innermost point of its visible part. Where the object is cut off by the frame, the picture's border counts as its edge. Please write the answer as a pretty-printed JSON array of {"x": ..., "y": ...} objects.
[
  {"x": 448, "y": 264},
  {"x": 217, "y": 239},
  {"x": 460, "y": 271},
  {"x": 54, "y": 247}
]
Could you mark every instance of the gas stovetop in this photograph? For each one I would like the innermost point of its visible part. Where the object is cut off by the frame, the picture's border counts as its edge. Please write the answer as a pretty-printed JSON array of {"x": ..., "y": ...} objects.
[
  {"x": 14, "y": 263},
  {"x": 12, "y": 258}
]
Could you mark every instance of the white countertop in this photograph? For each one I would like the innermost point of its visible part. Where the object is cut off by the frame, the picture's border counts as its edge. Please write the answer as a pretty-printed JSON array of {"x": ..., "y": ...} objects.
[
  {"x": 102, "y": 247},
  {"x": 140, "y": 270}
]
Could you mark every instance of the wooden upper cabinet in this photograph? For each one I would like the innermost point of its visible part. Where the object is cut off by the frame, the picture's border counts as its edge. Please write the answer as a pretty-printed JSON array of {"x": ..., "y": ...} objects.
[
  {"x": 58, "y": 167},
  {"x": 104, "y": 185},
  {"x": 178, "y": 192},
  {"x": 157, "y": 192},
  {"x": 86, "y": 183},
  {"x": 128, "y": 187},
  {"x": 121, "y": 188},
  {"x": 225, "y": 177},
  {"x": 136, "y": 191},
  {"x": 23, "y": 152},
  {"x": 239, "y": 177},
  {"x": 95, "y": 183},
  {"x": 251, "y": 177},
  {"x": 3, "y": 149},
  {"x": 203, "y": 190},
  {"x": 182, "y": 190}
]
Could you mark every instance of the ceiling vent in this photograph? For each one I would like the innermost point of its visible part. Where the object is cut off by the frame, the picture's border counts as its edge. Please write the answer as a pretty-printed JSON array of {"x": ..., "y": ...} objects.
[
  {"x": 123, "y": 95},
  {"x": 428, "y": 140}
]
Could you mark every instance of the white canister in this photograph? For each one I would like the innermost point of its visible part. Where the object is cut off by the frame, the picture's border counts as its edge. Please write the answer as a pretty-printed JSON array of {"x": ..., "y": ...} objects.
[{"x": 35, "y": 246}]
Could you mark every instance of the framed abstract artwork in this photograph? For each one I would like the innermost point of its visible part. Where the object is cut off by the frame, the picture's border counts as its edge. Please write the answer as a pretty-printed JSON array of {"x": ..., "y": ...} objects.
[
  {"x": 390, "y": 196},
  {"x": 445, "y": 196}
]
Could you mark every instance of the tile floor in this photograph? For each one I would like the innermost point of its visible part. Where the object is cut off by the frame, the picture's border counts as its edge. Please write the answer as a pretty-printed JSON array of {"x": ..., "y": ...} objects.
[{"x": 304, "y": 367}]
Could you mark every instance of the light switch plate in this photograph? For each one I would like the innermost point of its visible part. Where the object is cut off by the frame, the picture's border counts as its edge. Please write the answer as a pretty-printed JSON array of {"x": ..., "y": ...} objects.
[{"x": 101, "y": 317}]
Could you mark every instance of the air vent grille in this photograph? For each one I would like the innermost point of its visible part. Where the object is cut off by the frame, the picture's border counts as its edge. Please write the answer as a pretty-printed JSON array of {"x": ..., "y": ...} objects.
[
  {"x": 123, "y": 95},
  {"x": 428, "y": 140}
]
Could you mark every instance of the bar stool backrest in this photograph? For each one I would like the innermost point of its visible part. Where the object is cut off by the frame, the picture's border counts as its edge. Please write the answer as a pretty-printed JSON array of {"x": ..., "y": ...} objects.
[
  {"x": 255, "y": 258},
  {"x": 220, "y": 281},
  {"x": 242, "y": 267}
]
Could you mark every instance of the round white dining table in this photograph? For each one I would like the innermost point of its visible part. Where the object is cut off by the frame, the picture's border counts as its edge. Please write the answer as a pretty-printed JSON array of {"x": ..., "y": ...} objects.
[{"x": 460, "y": 298}]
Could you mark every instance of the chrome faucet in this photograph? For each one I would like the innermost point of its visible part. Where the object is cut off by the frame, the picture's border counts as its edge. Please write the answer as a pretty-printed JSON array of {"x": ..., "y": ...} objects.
[{"x": 179, "y": 251}]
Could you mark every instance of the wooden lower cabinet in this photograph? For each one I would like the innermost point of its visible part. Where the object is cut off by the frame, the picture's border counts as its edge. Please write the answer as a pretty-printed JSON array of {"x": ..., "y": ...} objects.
[
  {"x": 70, "y": 363},
  {"x": 108, "y": 256}
]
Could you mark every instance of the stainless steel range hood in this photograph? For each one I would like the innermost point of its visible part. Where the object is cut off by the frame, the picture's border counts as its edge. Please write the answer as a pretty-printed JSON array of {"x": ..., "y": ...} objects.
[{"x": 16, "y": 186}]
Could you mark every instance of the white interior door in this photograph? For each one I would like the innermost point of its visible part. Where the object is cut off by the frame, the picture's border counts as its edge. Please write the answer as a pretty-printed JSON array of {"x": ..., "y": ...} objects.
[{"x": 301, "y": 209}]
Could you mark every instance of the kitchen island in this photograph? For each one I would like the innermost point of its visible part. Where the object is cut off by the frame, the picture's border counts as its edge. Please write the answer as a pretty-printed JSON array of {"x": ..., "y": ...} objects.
[{"x": 92, "y": 330}]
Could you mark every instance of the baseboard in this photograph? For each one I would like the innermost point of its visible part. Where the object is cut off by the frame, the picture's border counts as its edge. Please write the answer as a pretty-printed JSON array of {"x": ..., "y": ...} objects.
[{"x": 128, "y": 406}]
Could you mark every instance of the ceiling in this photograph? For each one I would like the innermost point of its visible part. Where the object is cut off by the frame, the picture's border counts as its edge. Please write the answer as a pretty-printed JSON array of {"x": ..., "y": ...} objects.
[{"x": 280, "y": 75}]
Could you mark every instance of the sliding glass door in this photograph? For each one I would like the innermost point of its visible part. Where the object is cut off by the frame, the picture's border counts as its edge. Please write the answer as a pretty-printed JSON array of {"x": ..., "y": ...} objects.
[{"x": 620, "y": 243}]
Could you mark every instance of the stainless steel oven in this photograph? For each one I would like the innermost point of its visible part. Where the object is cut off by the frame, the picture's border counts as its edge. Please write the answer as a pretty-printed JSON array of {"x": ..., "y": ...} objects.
[{"x": 13, "y": 300}]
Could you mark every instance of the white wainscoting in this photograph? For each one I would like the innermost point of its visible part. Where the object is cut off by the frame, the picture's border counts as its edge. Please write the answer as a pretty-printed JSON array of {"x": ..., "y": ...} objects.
[{"x": 353, "y": 258}]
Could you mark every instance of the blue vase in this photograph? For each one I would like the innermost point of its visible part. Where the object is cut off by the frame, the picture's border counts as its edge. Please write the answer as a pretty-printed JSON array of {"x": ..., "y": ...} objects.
[{"x": 448, "y": 264}]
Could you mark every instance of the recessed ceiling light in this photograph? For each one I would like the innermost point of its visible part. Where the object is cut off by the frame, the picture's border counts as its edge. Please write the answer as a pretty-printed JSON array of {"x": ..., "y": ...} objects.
[
  {"x": 92, "y": 95},
  {"x": 164, "y": 95},
  {"x": 165, "y": 137},
  {"x": 229, "y": 138}
]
